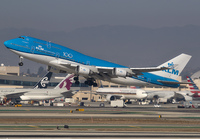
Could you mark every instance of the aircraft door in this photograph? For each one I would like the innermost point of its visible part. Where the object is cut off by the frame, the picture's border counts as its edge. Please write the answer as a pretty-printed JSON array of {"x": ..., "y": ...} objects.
[
  {"x": 48, "y": 93},
  {"x": 49, "y": 44},
  {"x": 32, "y": 49},
  {"x": 88, "y": 63},
  {"x": 57, "y": 55}
]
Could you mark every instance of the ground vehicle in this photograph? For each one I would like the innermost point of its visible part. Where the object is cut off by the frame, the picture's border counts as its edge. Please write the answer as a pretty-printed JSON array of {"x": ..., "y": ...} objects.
[
  {"x": 117, "y": 103},
  {"x": 18, "y": 105}
]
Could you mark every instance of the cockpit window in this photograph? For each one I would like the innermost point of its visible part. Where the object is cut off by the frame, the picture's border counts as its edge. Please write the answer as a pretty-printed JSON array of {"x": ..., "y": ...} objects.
[{"x": 21, "y": 37}]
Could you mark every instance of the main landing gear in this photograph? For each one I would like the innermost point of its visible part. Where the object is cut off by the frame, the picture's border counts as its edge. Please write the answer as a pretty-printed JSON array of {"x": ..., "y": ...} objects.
[
  {"x": 20, "y": 61},
  {"x": 76, "y": 79},
  {"x": 89, "y": 81}
]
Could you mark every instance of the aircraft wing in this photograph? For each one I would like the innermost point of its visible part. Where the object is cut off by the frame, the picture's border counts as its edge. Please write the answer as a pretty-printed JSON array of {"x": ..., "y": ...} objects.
[
  {"x": 63, "y": 63},
  {"x": 69, "y": 94},
  {"x": 171, "y": 82},
  {"x": 132, "y": 71},
  {"x": 149, "y": 69},
  {"x": 15, "y": 95},
  {"x": 108, "y": 71}
]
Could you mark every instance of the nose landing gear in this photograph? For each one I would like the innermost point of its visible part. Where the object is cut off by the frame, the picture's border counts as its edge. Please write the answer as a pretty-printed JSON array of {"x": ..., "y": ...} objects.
[
  {"x": 91, "y": 82},
  {"x": 20, "y": 61}
]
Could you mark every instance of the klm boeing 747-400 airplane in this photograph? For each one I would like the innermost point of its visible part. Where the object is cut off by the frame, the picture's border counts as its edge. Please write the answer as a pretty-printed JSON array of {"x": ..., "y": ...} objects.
[{"x": 63, "y": 59}]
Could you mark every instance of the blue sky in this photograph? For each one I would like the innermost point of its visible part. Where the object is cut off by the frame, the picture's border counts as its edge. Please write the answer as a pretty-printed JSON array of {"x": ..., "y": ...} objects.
[
  {"x": 46, "y": 17},
  {"x": 67, "y": 15}
]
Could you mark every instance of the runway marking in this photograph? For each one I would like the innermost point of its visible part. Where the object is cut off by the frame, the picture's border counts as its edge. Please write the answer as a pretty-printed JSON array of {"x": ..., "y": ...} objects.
[{"x": 190, "y": 117}]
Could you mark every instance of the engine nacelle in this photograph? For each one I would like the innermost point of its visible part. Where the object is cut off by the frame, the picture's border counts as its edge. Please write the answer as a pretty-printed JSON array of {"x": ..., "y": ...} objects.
[
  {"x": 55, "y": 70},
  {"x": 110, "y": 97},
  {"x": 83, "y": 70},
  {"x": 119, "y": 72}
]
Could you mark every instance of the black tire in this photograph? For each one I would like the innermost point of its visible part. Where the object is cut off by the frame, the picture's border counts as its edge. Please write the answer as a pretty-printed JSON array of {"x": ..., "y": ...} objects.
[
  {"x": 77, "y": 82},
  {"x": 101, "y": 105},
  {"x": 21, "y": 63}
]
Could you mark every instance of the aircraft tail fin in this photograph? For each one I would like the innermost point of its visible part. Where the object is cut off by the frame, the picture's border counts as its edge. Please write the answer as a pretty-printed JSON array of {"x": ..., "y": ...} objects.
[
  {"x": 176, "y": 66},
  {"x": 43, "y": 82},
  {"x": 66, "y": 82},
  {"x": 193, "y": 88},
  {"x": 192, "y": 85}
]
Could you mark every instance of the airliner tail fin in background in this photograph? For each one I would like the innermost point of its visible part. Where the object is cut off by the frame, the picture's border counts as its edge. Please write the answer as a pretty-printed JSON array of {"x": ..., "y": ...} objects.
[
  {"x": 43, "y": 83},
  {"x": 176, "y": 66},
  {"x": 192, "y": 85},
  {"x": 193, "y": 88},
  {"x": 66, "y": 82}
]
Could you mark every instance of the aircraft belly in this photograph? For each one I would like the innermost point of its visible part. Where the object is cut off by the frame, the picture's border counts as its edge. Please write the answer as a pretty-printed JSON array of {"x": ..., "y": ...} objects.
[
  {"x": 130, "y": 97},
  {"x": 37, "y": 58},
  {"x": 44, "y": 60},
  {"x": 42, "y": 97}
]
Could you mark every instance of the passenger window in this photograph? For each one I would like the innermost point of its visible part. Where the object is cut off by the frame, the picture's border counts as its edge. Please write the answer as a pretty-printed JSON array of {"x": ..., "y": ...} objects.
[{"x": 21, "y": 37}]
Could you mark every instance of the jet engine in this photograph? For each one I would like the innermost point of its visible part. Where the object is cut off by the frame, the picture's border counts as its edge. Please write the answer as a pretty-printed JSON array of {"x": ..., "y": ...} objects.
[
  {"x": 83, "y": 70},
  {"x": 112, "y": 97},
  {"x": 119, "y": 72}
]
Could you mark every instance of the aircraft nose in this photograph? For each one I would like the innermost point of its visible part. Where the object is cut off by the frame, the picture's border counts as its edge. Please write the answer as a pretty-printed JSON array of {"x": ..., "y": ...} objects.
[{"x": 7, "y": 43}]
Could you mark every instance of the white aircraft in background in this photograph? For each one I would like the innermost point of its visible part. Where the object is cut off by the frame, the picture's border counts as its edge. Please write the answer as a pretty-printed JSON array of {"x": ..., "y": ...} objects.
[
  {"x": 122, "y": 93},
  {"x": 187, "y": 95},
  {"x": 63, "y": 59},
  {"x": 62, "y": 89},
  {"x": 7, "y": 94}
]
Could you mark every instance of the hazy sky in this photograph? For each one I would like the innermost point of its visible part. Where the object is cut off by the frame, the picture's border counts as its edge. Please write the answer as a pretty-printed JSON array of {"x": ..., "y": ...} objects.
[{"x": 66, "y": 15}]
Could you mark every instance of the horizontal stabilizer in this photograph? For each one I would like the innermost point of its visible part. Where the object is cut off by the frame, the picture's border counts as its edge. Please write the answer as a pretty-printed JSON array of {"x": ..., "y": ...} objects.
[
  {"x": 171, "y": 82},
  {"x": 150, "y": 69}
]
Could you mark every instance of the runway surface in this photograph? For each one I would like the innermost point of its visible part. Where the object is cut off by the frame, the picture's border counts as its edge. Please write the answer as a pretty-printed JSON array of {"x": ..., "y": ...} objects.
[
  {"x": 134, "y": 121},
  {"x": 93, "y": 134}
]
